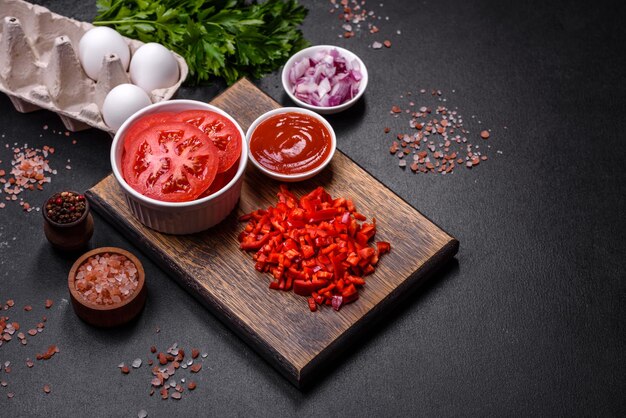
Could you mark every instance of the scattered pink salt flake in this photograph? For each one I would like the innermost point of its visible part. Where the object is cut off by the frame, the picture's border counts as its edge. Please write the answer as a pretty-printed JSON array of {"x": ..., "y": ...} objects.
[{"x": 29, "y": 168}]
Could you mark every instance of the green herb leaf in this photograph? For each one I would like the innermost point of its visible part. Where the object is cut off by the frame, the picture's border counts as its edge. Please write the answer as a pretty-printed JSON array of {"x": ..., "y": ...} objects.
[{"x": 217, "y": 38}]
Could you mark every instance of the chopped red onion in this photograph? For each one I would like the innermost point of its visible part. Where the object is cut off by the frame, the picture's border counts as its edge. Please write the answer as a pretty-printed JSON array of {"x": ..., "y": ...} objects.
[
  {"x": 337, "y": 301},
  {"x": 326, "y": 79}
]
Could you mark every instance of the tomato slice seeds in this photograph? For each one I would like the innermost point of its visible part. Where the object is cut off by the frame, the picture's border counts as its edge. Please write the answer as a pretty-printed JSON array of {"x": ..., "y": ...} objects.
[
  {"x": 145, "y": 122},
  {"x": 170, "y": 161},
  {"x": 314, "y": 245}
]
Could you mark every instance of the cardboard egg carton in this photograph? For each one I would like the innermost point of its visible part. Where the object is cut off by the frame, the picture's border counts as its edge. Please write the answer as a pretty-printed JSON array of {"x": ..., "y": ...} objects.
[{"x": 40, "y": 69}]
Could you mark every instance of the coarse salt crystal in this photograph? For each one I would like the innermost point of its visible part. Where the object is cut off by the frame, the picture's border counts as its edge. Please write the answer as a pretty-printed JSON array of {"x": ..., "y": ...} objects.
[{"x": 93, "y": 279}]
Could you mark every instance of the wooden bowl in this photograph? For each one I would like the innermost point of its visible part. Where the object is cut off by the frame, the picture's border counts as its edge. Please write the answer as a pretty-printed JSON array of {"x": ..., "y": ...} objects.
[
  {"x": 70, "y": 237},
  {"x": 108, "y": 315}
]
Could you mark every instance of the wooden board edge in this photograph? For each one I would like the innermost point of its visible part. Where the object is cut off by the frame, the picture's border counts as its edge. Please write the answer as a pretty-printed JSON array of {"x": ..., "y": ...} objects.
[
  {"x": 214, "y": 305},
  {"x": 314, "y": 369}
]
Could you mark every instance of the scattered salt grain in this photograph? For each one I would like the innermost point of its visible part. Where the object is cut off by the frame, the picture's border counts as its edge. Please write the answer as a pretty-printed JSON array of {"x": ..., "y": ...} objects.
[
  {"x": 161, "y": 376},
  {"x": 438, "y": 142},
  {"x": 355, "y": 15},
  {"x": 30, "y": 170}
]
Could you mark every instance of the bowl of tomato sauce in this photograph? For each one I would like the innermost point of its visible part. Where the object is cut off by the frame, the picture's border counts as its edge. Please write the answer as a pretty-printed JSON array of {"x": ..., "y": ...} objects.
[
  {"x": 180, "y": 164},
  {"x": 291, "y": 144}
]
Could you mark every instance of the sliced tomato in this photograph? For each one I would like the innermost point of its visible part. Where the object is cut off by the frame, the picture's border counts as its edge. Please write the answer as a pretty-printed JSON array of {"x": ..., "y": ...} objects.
[
  {"x": 220, "y": 130},
  {"x": 170, "y": 161},
  {"x": 145, "y": 122},
  {"x": 221, "y": 180}
]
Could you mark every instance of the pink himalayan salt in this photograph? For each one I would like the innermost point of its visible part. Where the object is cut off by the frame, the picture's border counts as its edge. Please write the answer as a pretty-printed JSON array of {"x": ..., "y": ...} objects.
[{"x": 107, "y": 279}]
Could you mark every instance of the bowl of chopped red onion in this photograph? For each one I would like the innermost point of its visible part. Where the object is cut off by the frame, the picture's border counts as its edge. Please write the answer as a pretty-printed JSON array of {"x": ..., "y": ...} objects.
[{"x": 325, "y": 78}]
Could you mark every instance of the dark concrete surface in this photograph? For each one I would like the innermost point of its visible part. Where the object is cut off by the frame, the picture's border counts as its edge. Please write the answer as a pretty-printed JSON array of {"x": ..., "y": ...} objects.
[{"x": 529, "y": 320}]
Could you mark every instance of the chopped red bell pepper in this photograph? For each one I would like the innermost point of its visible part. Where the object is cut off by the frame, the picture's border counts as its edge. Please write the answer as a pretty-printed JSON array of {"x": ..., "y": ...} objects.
[
  {"x": 252, "y": 244},
  {"x": 383, "y": 247},
  {"x": 307, "y": 251},
  {"x": 274, "y": 285},
  {"x": 366, "y": 253},
  {"x": 319, "y": 299},
  {"x": 369, "y": 269},
  {"x": 358, "y": 281},
  {"x": 324, "y": 275},
  {"x": 322, "y": 215},
  {"x": 315, "y": 245},
  {"x": 359, "y": 217},
  {"x": 306, "y": 288}
]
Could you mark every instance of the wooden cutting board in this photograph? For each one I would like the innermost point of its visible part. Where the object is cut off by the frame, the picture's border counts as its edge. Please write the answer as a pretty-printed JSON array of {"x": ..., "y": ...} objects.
[{"x": 278, "y": 324}]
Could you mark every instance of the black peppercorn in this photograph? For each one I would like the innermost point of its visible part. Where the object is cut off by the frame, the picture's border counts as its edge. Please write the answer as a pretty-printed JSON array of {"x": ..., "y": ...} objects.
[{"x": 65, "y": 207}]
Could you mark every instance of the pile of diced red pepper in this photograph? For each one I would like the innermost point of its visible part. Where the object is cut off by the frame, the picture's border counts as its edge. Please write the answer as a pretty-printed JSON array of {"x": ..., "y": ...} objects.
[{"x": 315, "y": 245}]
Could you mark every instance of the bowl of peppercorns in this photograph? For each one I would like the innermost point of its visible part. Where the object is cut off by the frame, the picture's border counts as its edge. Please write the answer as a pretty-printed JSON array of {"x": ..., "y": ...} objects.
[{"x": 68, "y": 224}]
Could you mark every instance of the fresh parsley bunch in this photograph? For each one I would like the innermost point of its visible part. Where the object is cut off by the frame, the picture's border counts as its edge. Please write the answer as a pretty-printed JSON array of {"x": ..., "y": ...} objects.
[{"x": 223, "y": 38}]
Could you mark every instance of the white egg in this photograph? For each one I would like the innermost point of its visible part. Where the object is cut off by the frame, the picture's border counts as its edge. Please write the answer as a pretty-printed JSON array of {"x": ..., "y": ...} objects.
[
  {"x": 98, "y": 43},
  {"x": 121, "y": 103},
  {"x": 153, "y": 67}
]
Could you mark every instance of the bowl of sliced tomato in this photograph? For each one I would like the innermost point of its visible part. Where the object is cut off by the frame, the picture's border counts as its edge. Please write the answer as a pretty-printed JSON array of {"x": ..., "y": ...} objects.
[{"x": 180, "y": 164}]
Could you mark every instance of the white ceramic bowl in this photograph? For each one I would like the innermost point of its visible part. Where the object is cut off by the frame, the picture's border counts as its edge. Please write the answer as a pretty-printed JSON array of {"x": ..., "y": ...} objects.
[
  {"x": 179, "y": 217},
  {"x": 309, "y": 52},
  {"x": 292, "y": 177}
]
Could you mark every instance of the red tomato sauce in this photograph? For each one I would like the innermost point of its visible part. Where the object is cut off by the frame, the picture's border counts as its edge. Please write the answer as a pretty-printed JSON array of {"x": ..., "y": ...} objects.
[{"x": 290, "y": 143}]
